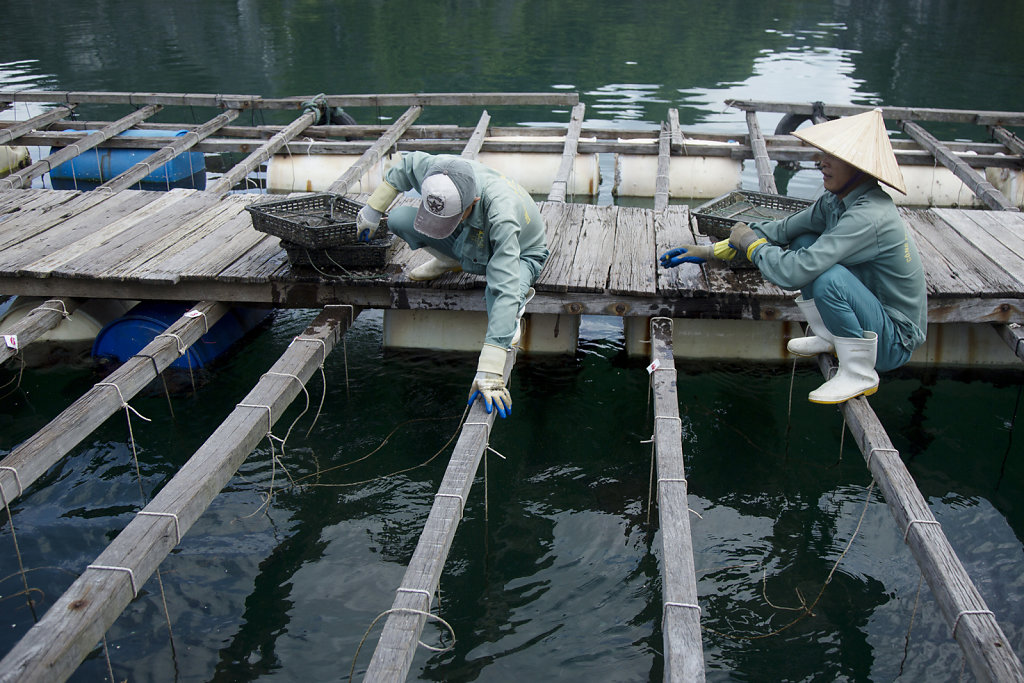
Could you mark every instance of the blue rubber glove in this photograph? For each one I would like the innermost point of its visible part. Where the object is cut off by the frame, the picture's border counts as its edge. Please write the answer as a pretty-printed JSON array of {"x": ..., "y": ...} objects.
[
  {"x": 489, "y": 381},
  {"x": 697, "y": 253},
  {"x": 367, "y": 221}
]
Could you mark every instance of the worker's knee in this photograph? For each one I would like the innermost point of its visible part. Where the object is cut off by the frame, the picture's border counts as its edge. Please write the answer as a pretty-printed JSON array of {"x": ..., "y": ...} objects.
[{"x": 400, "y": 222}]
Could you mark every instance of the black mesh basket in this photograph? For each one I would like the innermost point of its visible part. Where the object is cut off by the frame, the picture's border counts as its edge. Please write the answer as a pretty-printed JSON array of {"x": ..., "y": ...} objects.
[
  {"x": 717, "y": 217},
  {"x": 335, "y": 260},
  {"x": 313, "y": 221}
]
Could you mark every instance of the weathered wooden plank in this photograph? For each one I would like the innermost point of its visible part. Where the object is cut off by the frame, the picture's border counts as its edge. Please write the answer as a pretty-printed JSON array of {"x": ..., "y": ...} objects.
[
  {"x": 980, "y": 117},
  {"x": 227, "y": 181},
  {"x": 965, "y": 260},
  {"x": 940, "y": 275},
  {"x": 562, "y": 222},
  {"x": 36, "y": 323},
  {"x": 23, "y": 178},
  {"x": 995, "y": 239},
  {"x": 1012, "y": 142},
  {"x": 93, "y": 253},
  {"x": 593, "y": 258},
  {"x": 261, "y": 261},
  {"x": 678, "y": 140},
  {"x": 634, "y": 263},
  {"x": 765, "y": 177},
  {"x": 393, "y": 655},
  {"x": 560, "y": 186},
  {"x": 140, "y": 170},
  {"x": 672, "y": 229},
  {"x": 661, "y": 180},
  {"x": 103, "y": 212},
  {"x": 20, "y": 203},
  {"x": 25, "y": 225},
  {"x": 985, "y": 191},
  {"x": 54, "y": 647},
  {"x": 19, "y": 128},
  {"x": 37, "y": 454},
  {"x": 476, "y": 140},
  {"x": 974, "y": 626},
  {"x": 375, "y": 152},
  {"x": 1013, "y": 335},
  {"x": 681, "y": 633}
]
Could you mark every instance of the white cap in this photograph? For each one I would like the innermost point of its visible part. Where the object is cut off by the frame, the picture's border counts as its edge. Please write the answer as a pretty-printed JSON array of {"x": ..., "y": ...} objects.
[{"x": 448, "y": 190}]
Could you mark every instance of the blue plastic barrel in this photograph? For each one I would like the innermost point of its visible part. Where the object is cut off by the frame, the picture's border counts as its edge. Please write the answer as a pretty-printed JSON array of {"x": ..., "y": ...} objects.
[
  {"x": 121, "y": 339},
  {"x": 96, "y": 166}
]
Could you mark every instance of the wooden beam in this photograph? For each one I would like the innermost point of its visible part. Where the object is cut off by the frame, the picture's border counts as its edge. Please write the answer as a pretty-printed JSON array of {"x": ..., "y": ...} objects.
[
  {"x": 979, "y": 117},
  {"x": 43, "y": 120},
  {"x": 37, "y": 454},
  {"x": 133, "y": 99},
  {"x": 992, "y": 197},
  {"x": 476, "y": 140},
  {"x": 1013, "y": 335},
  {"x": 1012, "y": 142},
  {"x": 36, "y": 323},
  {"x": 70, "y": 629},
  {"x": 140, "y": 170},
  {"x": 24, "y": 177},
  {"x": 677, "y": 137},
  {"x": 661, "y": 181},
  {"x": 681, "y": 633},
  {"x": 972, "y": 624},
  {"x": 394, "y": 653},
  {"x": 765, "y": 177},
  {"x": 376, "y": 151},
  {"x": 560, "y": 186},
  {"x": 226, "y": 182}
]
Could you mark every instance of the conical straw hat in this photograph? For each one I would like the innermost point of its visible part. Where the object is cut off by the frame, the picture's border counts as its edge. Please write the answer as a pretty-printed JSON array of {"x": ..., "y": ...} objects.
[{"x": 860, "y": 141}]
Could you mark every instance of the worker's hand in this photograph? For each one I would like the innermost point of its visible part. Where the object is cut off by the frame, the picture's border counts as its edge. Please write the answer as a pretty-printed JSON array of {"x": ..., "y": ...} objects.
[
  {"x": 697, "y": 253},
  {"x": 489, "y": 381},
  {"x": 367, "y": 221},
  {"x": 744, "y": 240}
]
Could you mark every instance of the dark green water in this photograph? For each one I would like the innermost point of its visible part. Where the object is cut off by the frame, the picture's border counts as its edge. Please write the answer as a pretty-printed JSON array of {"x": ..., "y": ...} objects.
[{"x": 556, "y": 577}]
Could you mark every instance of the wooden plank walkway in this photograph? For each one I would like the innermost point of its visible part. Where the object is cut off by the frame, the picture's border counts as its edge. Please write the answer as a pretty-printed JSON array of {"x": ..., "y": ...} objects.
[{"x": 190, "y": 245}]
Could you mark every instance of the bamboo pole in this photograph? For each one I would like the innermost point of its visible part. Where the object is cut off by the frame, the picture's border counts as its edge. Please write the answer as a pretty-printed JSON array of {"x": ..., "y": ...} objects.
[
  {"x": 36, "y": 122},
  {"x": 476, "y": 140},
  {"x": 765, "y": 177},
  {"x": 56, "y": 645},
  {"x": 681, "y": 633},
  {"x": 376, "y": 151},
  {"x": 973, "y": 625},
  {"x": 397, "y": 645},
  {"x": 19, "y": 179},
  {"x": 559, "y": 188},
  {"x": 140, "y": 170},
  {"x": 37, "y": 454},
  {"x": 242, "y": 168},
  {"x": 36, "y": 323},
  {"x": 992, "y": 197}
]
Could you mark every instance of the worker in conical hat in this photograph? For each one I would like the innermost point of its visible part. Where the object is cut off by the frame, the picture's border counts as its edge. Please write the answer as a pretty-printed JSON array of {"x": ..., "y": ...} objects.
[
  {"x": 469, "y": 218},
  {"x": 850, "y": 254}
]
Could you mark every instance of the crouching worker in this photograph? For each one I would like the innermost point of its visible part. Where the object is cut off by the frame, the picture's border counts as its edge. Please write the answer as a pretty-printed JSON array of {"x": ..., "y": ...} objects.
[
  {"x": 850, "y": 254},
  {"x": 470, "y": 218}
]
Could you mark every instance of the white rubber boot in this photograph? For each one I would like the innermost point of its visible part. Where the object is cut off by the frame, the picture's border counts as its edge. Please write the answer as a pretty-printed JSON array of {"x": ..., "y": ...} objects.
[
  {"x": 435, "y": 267},
  {"x": 517, "y": 335},
  {"x": 856, "y": 375},
  {"x": 820, "y": 340}
]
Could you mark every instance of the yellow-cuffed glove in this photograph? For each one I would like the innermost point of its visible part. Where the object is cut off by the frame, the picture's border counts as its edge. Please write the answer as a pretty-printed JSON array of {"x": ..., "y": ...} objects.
[
  {"x": 489, "y": 381},
  {"x": 697, "y": 253},
  {"x": 744, "y": 240},
  {"x": 368, "y": 218}
]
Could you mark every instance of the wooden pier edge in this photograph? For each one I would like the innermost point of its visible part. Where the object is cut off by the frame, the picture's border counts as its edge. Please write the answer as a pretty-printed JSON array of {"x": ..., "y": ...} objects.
[
  {"x": 396, "y": 647},
  {"x": 973, "y": 625},
  {"x": 57, "y": 644},
  {"x": 681, "y": 632}
]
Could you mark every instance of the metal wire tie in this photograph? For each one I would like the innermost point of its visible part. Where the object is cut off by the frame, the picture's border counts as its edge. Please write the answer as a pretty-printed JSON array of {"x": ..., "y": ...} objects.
[
  {"x": 482, "y": 424},
  {"x": 664, "y": 609},
  {"x": 321, "y": 342},
  {"x": 17, "y": 480},
  {"x": 425, "y": 593},
  {"x": 956, "y": 622},
  {"x": 131, "y": 574},
  {"x": 181, "y": 344},
  {"x": 196, "y": 314},
  {"x": 672, "y": 480},
  {"x": 912, "y": 522},
  {"x": 64, "y": 309},
  {"x": 177, "y": 529},
  {"x": 871, "y": 453},
  {"x": 270, "y": 421},
  {"x": 462, "y": 503}
]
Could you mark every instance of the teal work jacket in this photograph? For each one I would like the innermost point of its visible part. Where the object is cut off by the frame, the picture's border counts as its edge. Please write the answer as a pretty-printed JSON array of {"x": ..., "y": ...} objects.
[{"x": 503, "y": 239}]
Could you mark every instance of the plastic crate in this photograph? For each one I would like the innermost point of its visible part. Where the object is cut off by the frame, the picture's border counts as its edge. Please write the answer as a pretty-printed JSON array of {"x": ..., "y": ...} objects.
[
  {"x": 335, "y": 260},
  {"x": 314, "y": 221},
  {"x": 717, "y": 217}
]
